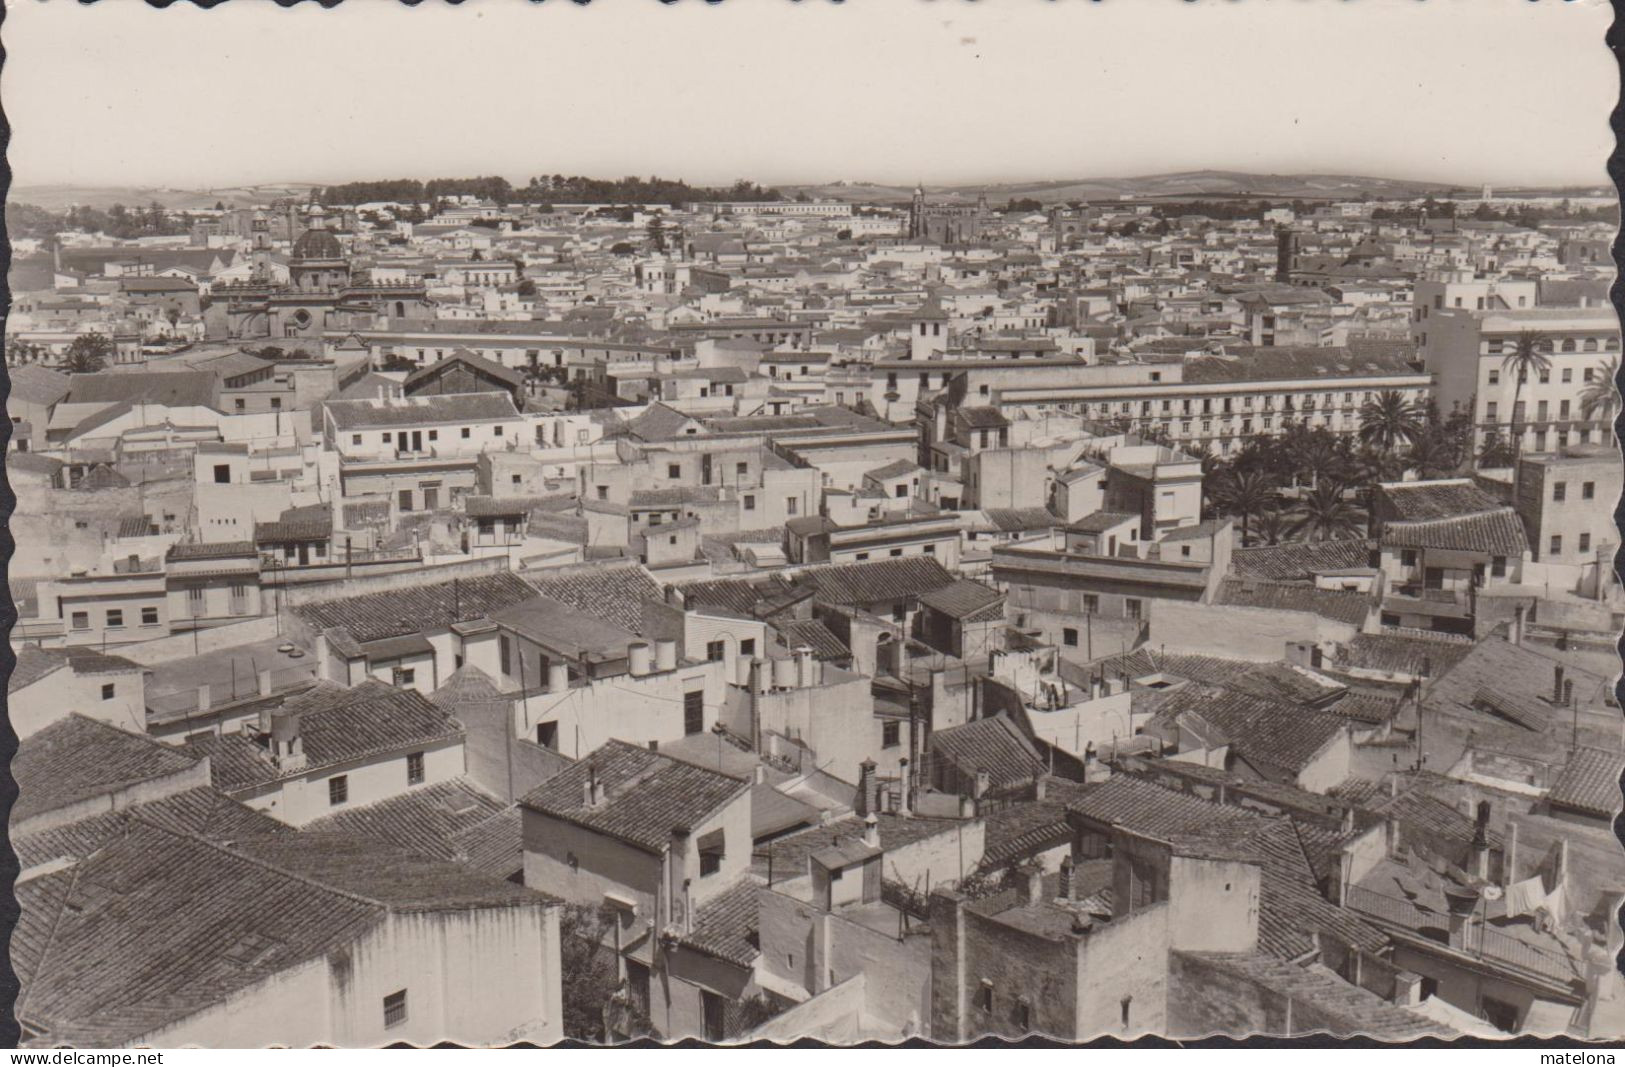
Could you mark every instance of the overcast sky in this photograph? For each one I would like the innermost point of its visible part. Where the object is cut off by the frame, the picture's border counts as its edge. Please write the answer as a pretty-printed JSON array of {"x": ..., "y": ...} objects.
[{"x": 1501, "y": 91}]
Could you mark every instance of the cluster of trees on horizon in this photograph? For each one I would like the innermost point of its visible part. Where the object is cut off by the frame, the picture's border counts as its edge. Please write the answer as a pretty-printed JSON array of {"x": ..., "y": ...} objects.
[
  {"x": 154, "y": 220},
  {"x": 543, "y": 189}
]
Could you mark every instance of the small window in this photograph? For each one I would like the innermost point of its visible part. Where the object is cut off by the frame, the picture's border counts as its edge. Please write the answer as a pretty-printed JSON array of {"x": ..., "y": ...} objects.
[
  {"x": 1091, "y": 603},
  {"x": 1557, "y": 544},
  {"x": 434, "y": 435},
  {"x": 741, "y": 469},
  {"x": 239, "y": 404},
  {"x": 355, "y": 439},
  {"x": 714, "y": 650},
  {"x": 895, "y": 553},
  {"x": 1131, "y": 608},
  {"x": 747, "y": 647},
  {"x": 115, "y": 619},
  {"x": 388, "y": 437},
  {"x": 405, "y": 675},
  {"x": 338, "y": 792},
  {"x": 1123, "y": 1007},
  {"x": 711, "y": 854},
  {"x": 1559, "y": 491},
  {"x": 1069, "y": 637},
  {"x": 1498, "y": 566},
  {"x": 1588, "y": 490},
  {"x": 149, "y": 616},
  {"x": 984, "y": 996},
  {"x": 674, "y": 470},
  {"x": 750, "y": 502},
  {"x": 414, "y": 768},
  {"x": 1024, "y": 1016},
  {"x": 108, "y": 690},
  {"x": 395, "y": 1009},
  {"x": 891, "y": 733},
  {"x": 789, "y": 505},
  {"x": 1585, "y": 542},
  {"x": 467, "y": 433},
  {"x": 1407, "y": 557}
]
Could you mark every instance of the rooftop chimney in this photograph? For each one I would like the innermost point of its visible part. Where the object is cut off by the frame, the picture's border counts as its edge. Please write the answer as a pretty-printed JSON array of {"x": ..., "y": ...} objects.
[
  {"x": 203, "y": 699},
  {"x": 1460, "y": 903},
  {"x": 1032, "y": 884},
  {"x": 1557, "y": 684},
  {"x": 287, "y": 741},
  {"x": 1068, "y": 883},
  {"x": 866, "y": 788},
  {"x": 983, "y": 781},
  {"x": 1517, "y": 625},
  {"x": 1481, "y": 842},
  {"x": 265, "y": 682},
  {"x": 871, "y": 830}
]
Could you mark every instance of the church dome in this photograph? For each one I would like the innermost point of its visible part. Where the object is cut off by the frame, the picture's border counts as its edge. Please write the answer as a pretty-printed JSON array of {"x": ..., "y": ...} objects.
[{"x": 317, "y": 244}]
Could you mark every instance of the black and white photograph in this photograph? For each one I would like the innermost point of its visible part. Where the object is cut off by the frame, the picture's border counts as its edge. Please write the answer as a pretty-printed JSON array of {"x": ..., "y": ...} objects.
[{"x": 896, "y": 522}]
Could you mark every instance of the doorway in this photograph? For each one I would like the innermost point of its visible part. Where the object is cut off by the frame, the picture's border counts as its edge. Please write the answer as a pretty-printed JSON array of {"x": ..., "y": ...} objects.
[{"x": 711, "y": 1007}]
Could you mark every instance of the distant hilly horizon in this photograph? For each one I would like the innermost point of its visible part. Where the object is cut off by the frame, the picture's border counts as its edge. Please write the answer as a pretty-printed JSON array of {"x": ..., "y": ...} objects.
[{"x": 1174, "y": 184}]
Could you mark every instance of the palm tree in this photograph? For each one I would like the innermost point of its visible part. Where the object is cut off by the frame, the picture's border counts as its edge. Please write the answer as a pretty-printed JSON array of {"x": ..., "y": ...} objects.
[
  {"x": 1272, "y": 526},
  {"x": 1599, "y": 399},
  {"x": 1433, "y": 455},
  {"x": 1244, "y": 494},
  {"x": 1390, "y": 421},
  {"x": 1322, "y": 456},
  {"x": 1527, "y": 356},
  {"x": 1324, "y": 515},
  {"x": 1371, "y": 467}
]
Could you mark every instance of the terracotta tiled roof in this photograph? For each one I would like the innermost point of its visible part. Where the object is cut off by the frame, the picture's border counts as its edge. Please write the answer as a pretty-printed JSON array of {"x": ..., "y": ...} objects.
[
  {"x": 885, "y": 579},
  {"x": 78, "y": 758},
  {"x": 994, "y": 745},
  {"x": 647, "y": 794},
  {"x": 158, "y": 926},
  {"x": 1019, "y": 520},
  {"x": 966, "y": 600},
  {"x": 1339, "y": 605},
  {"x": 1589, "y": 783},
  {"x": 203, "y": 811},
  {"x": 1499, "y": 533},
  {"x": 1518, "y": 676},
  {"x": 816, "y": 636},
  {"x": 418, "y": 608},
  {"x": 1300, "y": 561},
  {"x": 1260, "y": 730},
  {"x": 336, "y": 726},
  {"x": 1342, "y": 1009},
  {"x": 725, "y": 925},
  {"x": 615, "y": 592},
  {"x": 425, "y": 820},
  {"x": 1426, "y": 501},
  {"x": 1401, "y": 654}
]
